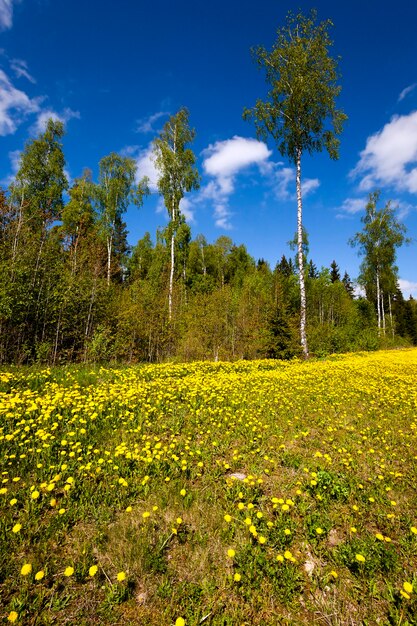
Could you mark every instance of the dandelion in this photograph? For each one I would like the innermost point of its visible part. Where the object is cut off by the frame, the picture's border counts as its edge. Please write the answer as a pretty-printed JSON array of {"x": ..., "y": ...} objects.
[
  {"x": 16, "y": 528},
  {"x": 183, "y": 492},
  {"x": 227, "y": 518},
  {"x": 128, "y": 509},
  {"x": 121, "y": 576},
  {"x": 26, "y": 569},
  {"x": 360, "y": 558},
  {"x": 334, "y": 574},
  {"x": 262, "y": 539},
  {"x": 231, "y": 553},
  {"x": 379, "y": 537},
  {"x": 180, "y": 621},
  {"x": 413, "y": 530},
  {"x": 280, "y": 558},
  {"x": 68, "y": 571},
  {"x": 92, "y": 571},
  {"x": 39, "y": 575},
  {"x": 408, "y": 587},
  {"x": 145, "y": 514},
  {"x": 319, "y": 531},
  {"x": 12, "y": 616},
  {"x": 61, "y": 511},
  {"x": 179, "y": 520},
  {"x": 237, "y": 577},
  {"x": 35, "y": 495}
]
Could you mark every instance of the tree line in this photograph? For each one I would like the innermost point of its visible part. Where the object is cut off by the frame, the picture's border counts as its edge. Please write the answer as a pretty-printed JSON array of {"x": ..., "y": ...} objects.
[{"x": 72, "y": 289}]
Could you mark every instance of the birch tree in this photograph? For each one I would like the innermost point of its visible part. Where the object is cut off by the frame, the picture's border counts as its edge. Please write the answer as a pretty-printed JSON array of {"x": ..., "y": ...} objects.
[
  {"x": 299, "y": 112},
  {"x": 175, "y": 163},
  {"x": 115, "y": 191},
  {"x": 377, "y": 242}
]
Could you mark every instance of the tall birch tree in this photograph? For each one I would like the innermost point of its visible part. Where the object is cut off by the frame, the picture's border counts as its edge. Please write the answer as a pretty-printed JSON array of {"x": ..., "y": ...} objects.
[
  {"x": 299, "y": 112},
  {"x": 175, "y": 163},
  {"x": 116, "y": 189},
  {"x": 382, "y": 233}
]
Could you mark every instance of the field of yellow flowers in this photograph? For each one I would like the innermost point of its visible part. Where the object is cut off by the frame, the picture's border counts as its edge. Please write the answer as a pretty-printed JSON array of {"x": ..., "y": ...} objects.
[{"x": 248, "y": 493}]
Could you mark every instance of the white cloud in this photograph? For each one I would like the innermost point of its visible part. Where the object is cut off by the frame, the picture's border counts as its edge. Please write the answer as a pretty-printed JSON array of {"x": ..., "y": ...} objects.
[
  {"x": 20, "y": 68},
  {"x": 406, "y": 91},
  {"x": 351, "y": 206},
  {"x": 408, "y": 288},
  {"x": 390, "y": 156},
  {"x": 40, "y": 125},
  {"x": 15, "y": 105},
  {"x": 223, "y": 161},
  {"x": 145, "y": 163},
  {"x": 226, "y": 158},
  {"x": 186, "y": 209},
  {"x": 6, "y": 14},
  {"x": 146, "y": 124},
  {"x": 283, "y": 182}
]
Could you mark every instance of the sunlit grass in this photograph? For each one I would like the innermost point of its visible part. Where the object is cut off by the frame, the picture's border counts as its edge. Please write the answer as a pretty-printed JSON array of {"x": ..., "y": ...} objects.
[{"x": 248, "y": 493}]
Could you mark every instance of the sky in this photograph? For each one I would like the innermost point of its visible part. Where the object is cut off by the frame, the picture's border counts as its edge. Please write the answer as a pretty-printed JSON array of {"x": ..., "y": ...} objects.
[{"x": 115, "y": 71}]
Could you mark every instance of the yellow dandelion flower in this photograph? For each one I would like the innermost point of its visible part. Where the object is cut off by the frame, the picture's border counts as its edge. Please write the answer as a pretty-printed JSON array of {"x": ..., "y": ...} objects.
[
  {"x": 145, "y": 514},
  {"x": 121, "y": 576},
  {"x": 13, "y": 501},
  {"x": 68, "y": 571},
  {"x": 128, "y": 509},
  {"x": 26, "y": 569},
  {"x": 183, "y": 492},
  {"x": 93, "y": 570},
  {"x": 404, "y": 594},
  {"x": 288, "y": 555},
  {"x": 408, "y": 587},
  {"x": 262, "y": 539},
  {"x": 180, "y": 621},
  {"x": 227, "y": 518},
  {"x": 12, "y": 616},
  {"x": 280, "y": 558},
  {"x": 231, "y": 553},
  {"x": 16, "y": 528},
  {"x": 413, "y": 530},
  {"x": 61, "y": 511},
  {"x": 360, "y": 558},
  {"x": 39, "y": 575},
  {"x": 379, "y": 536},
  {"x": 179, "y": 520},
  {"x": 237, "y": 577},
  {"x": 334, "y": 574},
  {"x": 35, "y": 495},
  {"x": 319, "y": 531}
]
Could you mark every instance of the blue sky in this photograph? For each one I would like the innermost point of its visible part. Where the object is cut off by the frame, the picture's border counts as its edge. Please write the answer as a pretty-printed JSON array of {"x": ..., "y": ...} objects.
[{"x": 114, "y": 72}]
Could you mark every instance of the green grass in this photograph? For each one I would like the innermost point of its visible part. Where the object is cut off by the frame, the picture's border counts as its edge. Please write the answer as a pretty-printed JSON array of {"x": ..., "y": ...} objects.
[{"x": 132, "y": 470}]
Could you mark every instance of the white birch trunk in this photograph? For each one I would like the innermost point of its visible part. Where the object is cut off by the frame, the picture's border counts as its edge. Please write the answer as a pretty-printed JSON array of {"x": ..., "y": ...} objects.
[
  {"x": 303, "y": 335},
  {"x": 378, "y": 301},
  {"x": 171, "y": 276},
  {"x": 383, "y": 312}
]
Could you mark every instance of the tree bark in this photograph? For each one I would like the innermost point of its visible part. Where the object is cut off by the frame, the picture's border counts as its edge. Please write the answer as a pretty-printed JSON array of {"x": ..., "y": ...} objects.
[
  {"x": 303, "y": 316},
  {"x": 378, "y": 301},
  {"x": 171, "y": 276}
]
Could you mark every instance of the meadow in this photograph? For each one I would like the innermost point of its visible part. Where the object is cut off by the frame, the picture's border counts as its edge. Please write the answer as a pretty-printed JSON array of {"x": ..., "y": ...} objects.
[{"x": 248, "y": 493}]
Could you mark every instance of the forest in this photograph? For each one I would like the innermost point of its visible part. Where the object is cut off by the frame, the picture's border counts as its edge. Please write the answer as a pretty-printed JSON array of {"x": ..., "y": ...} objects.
[{"x": 72, "y": 289}]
